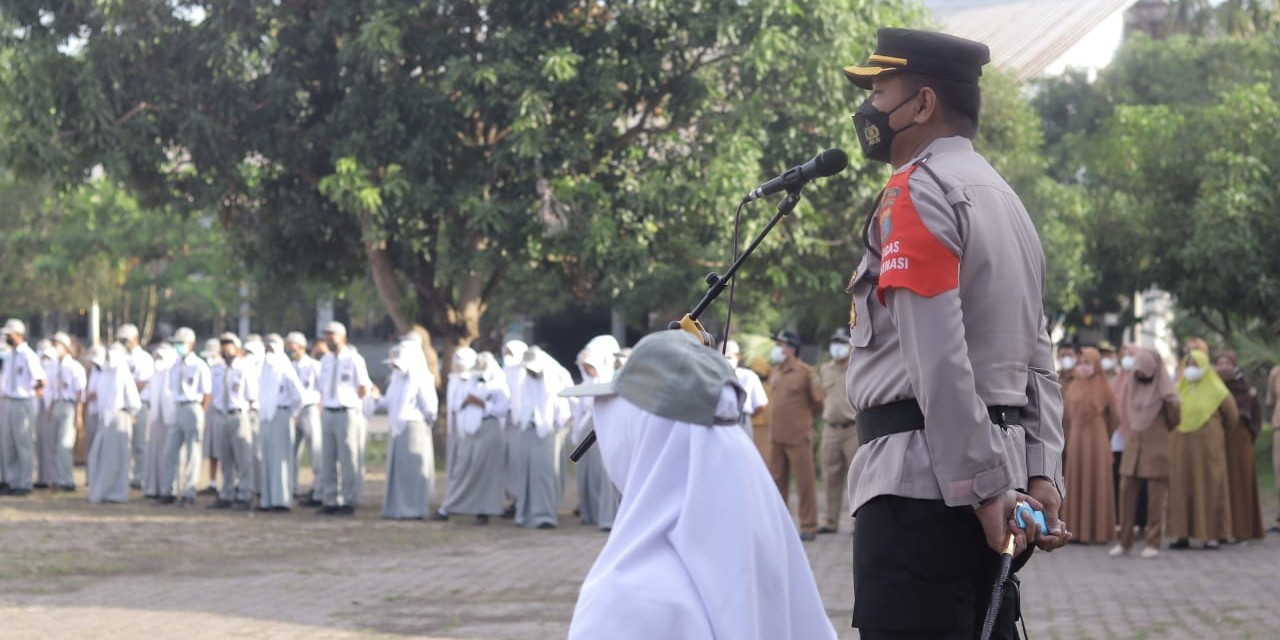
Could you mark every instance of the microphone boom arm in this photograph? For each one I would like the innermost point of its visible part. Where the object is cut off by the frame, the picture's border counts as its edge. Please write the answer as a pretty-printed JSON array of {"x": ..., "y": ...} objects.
[{"x": 716, "y": 284}]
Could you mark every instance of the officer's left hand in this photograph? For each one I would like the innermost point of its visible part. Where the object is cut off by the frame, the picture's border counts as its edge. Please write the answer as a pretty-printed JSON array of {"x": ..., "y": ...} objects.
[{"x": 1058, "y": 536}]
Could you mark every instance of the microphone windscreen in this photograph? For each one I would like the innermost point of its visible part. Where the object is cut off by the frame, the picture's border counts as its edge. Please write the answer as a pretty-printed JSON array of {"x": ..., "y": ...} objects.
[{"x": 831, "y": 162}]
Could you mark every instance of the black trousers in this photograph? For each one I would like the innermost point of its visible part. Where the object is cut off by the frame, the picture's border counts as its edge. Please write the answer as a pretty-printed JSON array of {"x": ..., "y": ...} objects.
[{"x": 922, "y": 569}]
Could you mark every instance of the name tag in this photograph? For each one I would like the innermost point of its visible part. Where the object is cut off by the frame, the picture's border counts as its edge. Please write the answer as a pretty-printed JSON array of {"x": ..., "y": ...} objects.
[{"x": 346, "y": 377}]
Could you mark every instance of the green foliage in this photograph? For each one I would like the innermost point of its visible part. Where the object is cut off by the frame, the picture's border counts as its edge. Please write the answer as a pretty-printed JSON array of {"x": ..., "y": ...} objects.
[{"x": 1175, "y": 146}]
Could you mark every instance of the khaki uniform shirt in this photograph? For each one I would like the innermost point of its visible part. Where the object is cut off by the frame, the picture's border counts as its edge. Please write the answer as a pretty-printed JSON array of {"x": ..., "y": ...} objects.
[
  {"x": 835, "y": 408},
  {"x": 947, "y": 309},
  {"x": 794, "y": 399}
]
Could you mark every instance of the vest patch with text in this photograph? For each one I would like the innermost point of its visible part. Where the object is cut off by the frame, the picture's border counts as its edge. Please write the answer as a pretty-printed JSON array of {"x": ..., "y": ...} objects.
[{"x": 912, "y": 258}]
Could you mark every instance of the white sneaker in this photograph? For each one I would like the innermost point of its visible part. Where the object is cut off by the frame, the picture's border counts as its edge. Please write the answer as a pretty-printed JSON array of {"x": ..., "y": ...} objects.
[
  {"x": 1116, "y": 551},
  {"x": 1150, "y": 552}
]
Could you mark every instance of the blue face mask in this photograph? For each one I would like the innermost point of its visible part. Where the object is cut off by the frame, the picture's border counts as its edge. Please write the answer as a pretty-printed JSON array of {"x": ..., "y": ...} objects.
[{"x": 181, "y": 348}]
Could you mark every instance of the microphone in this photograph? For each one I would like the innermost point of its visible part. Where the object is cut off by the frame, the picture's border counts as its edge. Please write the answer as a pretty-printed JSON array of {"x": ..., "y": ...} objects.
[{"x": 827, "y": 163}]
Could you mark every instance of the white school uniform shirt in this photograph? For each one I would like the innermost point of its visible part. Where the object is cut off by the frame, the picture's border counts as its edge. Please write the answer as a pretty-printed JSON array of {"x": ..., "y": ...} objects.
[
  {"x": 341, "y": 374},
  {"x": 497, "y": 401},
  {"x": 70, "y": 382},
  {"x": 22, "y": 371},
  {"x": 281, "y": 390},
  {"x": 190, "y": 379},
  {"x": 239, "y": 388},
  {"x": 141, "y": 365},
  {"x": 756, "y": 398},
  {"x": 410, "y": 397},
  {"x": 117, "y": 391},
  {"x": 308, "y": 369}
]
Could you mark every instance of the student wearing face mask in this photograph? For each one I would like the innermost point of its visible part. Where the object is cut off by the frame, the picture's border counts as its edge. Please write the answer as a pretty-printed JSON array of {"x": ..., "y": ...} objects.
[
  {"x": 1199, "y": 502},
  {"x": 1120, "y": 384},
  {"x": 795, "y": 399},
  {"x": 479, "y": 405},
  {"x": 755, "y": 400},
  {"x": 597, "y": 500},
  {"x": 1067, "y": 358},
  {"x": 839, "y": 438},
  {"x": 1090, "y": 417},
  {"x": 1242, "y": 477},
  {"x": 1110, "y": 362},
  {"x": 22, "y": 385},
  {"x": 1153, "y": 408}
]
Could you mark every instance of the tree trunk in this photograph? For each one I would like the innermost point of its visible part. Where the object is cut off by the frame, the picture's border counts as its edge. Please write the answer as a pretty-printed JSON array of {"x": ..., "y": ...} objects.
[{"x": 387, "y": 284}]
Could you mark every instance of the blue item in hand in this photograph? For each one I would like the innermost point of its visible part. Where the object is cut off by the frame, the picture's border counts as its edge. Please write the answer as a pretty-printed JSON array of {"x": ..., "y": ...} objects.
[{"x": 1036, "y": 516}]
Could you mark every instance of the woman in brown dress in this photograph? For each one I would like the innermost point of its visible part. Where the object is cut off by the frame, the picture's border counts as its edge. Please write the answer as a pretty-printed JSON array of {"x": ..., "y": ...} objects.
[
  {"x": 1242, "y": 477},
  {"x": 1199, "y": 505},
  {"x": 1089, "y": 418},
  {"x": 1153, "y": 408}
]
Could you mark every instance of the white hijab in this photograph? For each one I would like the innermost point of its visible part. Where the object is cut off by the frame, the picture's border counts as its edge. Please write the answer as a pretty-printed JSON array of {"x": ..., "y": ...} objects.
[
  {"x": 116, "y": 389},
  {"x": 410, "y": 378},
  {"x": 702, "y": 546},
  {"x": 277, "y": 372},
  {"x": 540, "y": 402},
  {"x": 159, "y": 392},
  {"x": 601, "y": 353}
]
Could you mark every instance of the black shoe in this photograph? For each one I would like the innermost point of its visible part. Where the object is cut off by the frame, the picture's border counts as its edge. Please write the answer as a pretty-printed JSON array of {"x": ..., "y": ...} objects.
[
  {"x": 66, "y": 488},
  {"x": 510, "y": 512},
  {"x": 40, "y": 485},
  {"x": 240, "y": 505},
  {"x": 546, "y": 525},
  {"x": 482, "y": 520},
  {"x": 208, "y": 491},
  {"x": 264, "y": 509},
  {"x": 220, "y": 504},
  {"x": 165, "y": 501},
  {"x": 826, "y": 530},
  {"x": 1275, "y": 529},
  {"x": 439, "y": 517},
  {"x": 808, "y": 537},
  {"x": 281, "y": 509},
  {"x": 151, "y": 496},
  {"x": 135, "y": 485},
  {"x": 185, "y": 502},
  {"x": 327, "y": 510},
  {"x": 311, "y": 502},
  {"x": 18, "y": 493},
  {"x": 345, "y": 510},
  {"x": 4, "y": 486},
  {"x": 1180, "y": 543}
]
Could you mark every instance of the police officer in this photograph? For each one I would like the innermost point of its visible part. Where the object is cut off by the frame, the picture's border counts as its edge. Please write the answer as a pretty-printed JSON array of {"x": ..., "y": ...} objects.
[
  {"x": 951, "y": 373},
  {"x": 839, "y": 439}
]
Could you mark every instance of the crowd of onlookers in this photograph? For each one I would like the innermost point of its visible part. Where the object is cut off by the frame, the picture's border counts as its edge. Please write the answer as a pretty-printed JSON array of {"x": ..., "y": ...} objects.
[{"x": 1165, "y": 449}]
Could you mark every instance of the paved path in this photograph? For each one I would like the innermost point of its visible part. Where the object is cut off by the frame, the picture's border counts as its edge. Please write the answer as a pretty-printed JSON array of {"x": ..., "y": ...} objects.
[{"x": 71, "y": 570}]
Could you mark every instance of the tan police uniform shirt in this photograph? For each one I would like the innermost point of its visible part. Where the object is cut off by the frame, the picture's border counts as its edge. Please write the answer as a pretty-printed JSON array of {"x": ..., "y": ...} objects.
[
  {"x": 794, "y": 399},
  {"x": 836, "y": 409},
  {"x": 950, "y": 313}
]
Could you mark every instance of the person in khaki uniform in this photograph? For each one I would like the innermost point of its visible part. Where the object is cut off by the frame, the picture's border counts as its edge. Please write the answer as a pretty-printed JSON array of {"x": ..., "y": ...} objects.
[
  {"x": 951, "y": 372},
  {"x": 1154, "y": 409},
  {"x": 839, "y": 439},
  {"x": 794, "y": 400}
]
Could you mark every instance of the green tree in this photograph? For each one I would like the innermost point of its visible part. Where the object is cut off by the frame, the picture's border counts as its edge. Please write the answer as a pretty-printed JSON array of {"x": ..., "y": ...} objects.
[{"x": 455, "y": 149}]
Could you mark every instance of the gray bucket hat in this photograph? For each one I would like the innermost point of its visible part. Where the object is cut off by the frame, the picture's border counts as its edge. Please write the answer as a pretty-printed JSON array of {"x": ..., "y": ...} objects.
[{"x": 671, "y": 375}]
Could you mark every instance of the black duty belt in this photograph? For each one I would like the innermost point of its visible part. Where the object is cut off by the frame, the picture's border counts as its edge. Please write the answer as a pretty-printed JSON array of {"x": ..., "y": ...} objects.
[
  {"x": 905, "y": 415},
  {"x": 841, "y": 425}
]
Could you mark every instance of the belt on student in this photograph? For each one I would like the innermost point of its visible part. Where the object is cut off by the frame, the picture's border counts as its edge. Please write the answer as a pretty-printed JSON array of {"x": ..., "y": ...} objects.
[
  {"x": 841, "y": 425},
  {"x": 229, "y": 412},
  {"x": 188, "y": 401},
  {"x": 65, "y": 400},
  {"x": 905, "y": 415},
  {"x": 339, "y": 408}
]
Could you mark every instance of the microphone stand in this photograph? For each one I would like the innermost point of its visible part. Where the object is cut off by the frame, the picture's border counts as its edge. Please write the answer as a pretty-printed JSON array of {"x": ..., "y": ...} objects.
[{"x": 716, "y": 284}]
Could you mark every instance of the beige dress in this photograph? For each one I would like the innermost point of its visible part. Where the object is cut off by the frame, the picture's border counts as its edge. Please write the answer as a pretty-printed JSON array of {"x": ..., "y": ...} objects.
[
  {"x": 1089, "y": 420},
  {"x": 1199, "y": 504}
]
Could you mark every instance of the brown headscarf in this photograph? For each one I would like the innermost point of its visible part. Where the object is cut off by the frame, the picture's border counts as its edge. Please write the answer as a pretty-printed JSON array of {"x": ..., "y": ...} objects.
[
  {"x": 1145, "y": 399},
  {"x": 1245, "y": 396},
  {"x": 1088, "y": 397}
]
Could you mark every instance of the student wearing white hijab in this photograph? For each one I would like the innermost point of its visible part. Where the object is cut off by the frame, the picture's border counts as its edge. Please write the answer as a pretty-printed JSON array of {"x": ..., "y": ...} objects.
[
  {"x": 463, "y": 367},
  {"x": 45, "y": 447},
  {"x": 677, "y": 564},
  {"x": 479, "y": 408},
  {"x": 513, "y": 367},
  {"x": 280, "y": 397},
  {"x": 540, "y": 419},
  {"x": 159, "y": 397},
  {"x": 411, "y": 404},
  {"x": 118, "y": 402},
  {"x": 92, "y": 416},
  {"x": 597, "y": 501}
]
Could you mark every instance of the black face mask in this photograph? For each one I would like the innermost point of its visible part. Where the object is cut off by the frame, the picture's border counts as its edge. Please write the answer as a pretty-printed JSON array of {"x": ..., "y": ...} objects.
[
  {"x": 1143, "y": 379},
  {"x": 873, "y": 129},
  {"x": 9, "y": 340}
]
